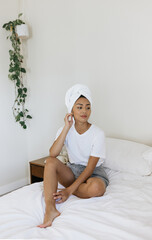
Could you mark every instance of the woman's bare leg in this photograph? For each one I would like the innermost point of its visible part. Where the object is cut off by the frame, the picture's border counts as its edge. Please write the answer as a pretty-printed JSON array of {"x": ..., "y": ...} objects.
[
  {"x": 94, "y": 187},
  {"x": 54, "y": 170}
]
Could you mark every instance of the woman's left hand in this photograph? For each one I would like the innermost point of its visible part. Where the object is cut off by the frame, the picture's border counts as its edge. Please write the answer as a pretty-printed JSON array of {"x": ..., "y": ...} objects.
[{"x": 61, "y": 195}]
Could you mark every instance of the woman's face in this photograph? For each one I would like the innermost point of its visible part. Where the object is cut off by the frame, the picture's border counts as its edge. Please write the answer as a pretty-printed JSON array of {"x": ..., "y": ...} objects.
[{"x": 81, "y": 110}]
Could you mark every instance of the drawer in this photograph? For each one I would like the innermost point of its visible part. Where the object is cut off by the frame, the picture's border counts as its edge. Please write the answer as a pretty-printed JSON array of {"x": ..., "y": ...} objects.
[{"x": 37, "y": 171}]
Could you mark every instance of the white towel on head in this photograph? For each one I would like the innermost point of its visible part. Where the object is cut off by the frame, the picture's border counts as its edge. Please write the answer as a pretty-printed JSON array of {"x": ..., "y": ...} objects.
[{"x": 74, "y": 93}]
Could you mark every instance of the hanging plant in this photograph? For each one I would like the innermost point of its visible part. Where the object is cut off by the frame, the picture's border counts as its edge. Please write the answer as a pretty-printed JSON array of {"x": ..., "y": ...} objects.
[{"x": 16, "y": 73}]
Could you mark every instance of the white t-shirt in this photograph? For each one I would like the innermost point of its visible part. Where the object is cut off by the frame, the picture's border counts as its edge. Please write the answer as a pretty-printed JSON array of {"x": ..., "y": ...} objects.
[{"x": 81, "y": 146}]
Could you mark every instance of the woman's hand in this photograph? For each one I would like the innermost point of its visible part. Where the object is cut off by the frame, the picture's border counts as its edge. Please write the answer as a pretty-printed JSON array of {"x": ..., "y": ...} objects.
[
  {"x": 68, "y": 120},
  {"x": 61, "y": 195}
]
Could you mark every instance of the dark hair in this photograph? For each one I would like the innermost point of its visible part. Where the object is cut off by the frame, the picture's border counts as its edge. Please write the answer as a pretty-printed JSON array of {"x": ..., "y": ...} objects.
[{"x": 81, "y": 96}]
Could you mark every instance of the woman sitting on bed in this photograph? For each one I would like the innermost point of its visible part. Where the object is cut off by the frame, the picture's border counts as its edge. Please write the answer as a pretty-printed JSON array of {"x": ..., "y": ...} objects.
[{"x": 84, "y": 175}]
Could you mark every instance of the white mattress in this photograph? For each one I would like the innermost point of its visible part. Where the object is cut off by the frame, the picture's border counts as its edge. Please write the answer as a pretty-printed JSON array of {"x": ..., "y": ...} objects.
[{"x": 124, "y": 212}]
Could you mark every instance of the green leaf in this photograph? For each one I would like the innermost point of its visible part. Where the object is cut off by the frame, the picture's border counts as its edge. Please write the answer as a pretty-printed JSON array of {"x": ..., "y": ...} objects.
[
  {"x": 10, "y": 76},
  {"x": 21, "y": 114},
  {"x": 23, "y": 70},
  {"x": 18, "y": 82},
  {"x": 25, "y": 90},
  {"x": 4, "y": 25},
  {"x": 28, "y": 116},
  {"x": 20, "y": 14},
  {"x": 7, "y": 28},
  {"x": 11, "y": 69},
  {"x": 22, "y": 123},
  {"x": 19, "y": 22},
  {"x": 11, "y": 52},
  {"x": 17, "y": 118},
  {"x": 14, "y": 77},
  {"x": 20, "y": 91}
]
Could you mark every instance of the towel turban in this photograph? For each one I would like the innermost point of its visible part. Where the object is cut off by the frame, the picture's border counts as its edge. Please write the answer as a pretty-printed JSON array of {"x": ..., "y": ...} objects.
[{"x": 74, "y": 93}]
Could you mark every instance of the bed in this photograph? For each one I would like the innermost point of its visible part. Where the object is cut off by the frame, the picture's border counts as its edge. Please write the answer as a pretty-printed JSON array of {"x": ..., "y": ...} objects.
[{"x": 124, "y": 212}]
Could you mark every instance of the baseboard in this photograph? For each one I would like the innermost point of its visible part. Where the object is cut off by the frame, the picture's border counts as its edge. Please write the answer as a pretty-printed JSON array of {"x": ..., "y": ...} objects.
[{"x": 13, "y": 186}]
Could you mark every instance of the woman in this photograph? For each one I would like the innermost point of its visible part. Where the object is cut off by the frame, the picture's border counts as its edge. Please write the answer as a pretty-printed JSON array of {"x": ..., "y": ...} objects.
[{"x": 84, "y": 175}]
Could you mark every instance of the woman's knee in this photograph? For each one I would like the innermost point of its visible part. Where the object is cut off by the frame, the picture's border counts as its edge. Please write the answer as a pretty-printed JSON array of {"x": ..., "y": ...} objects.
[
  {"x": 96, "y": 187},
  {"x": 51, "y": 162}
]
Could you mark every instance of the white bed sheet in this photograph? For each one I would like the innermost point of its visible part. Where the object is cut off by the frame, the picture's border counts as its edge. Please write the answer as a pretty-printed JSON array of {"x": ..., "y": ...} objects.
[{"x": 124, "y": 212}]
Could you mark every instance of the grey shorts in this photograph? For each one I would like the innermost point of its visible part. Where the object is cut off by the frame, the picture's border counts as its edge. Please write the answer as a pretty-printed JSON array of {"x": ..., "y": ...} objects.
[{"x": 98, "y": 172}]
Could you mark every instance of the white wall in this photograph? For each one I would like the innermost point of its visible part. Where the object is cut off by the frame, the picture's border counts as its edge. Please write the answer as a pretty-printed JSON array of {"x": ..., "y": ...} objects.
[
  {"x": 13, "y": 146},
  {"x": 104, "y": 44}
]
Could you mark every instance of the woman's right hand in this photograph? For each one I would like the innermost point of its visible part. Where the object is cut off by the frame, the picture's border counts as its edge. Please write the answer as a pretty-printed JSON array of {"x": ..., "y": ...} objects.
[{"x": 68, "y": 120}]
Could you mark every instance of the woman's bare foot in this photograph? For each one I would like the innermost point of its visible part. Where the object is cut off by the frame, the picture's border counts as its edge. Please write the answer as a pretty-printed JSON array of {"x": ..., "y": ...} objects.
[{"x": 48, "y": 218}]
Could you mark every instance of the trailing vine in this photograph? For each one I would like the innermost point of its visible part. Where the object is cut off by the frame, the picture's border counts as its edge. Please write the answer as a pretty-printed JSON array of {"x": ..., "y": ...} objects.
[{"x": 16, "y": 73}]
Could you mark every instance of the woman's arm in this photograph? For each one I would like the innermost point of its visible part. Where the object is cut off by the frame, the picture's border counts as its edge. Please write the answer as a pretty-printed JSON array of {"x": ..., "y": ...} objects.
[
  {"x": 59, "y": 142},
  {"x": 85, "y": 174}
]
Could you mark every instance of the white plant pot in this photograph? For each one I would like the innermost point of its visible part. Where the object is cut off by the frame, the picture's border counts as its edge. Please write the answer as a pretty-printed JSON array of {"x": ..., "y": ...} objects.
[{"x": 22, "y": 31}]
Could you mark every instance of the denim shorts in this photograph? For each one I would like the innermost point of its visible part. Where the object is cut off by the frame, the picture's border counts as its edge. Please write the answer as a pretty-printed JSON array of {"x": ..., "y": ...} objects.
[{"x": 98, "y": 172}]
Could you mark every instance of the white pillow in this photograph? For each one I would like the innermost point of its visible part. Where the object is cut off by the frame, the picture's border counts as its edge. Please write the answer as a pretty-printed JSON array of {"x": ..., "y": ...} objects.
[
  {"x": 148, "y": 155},
  {"x": 63, "y": 156},
  {"x": 128, "y": 156}
]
